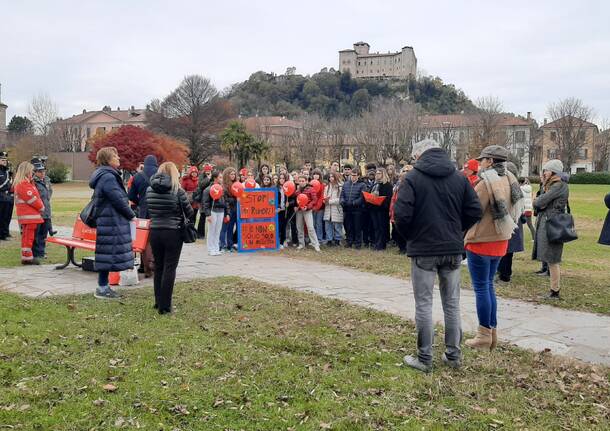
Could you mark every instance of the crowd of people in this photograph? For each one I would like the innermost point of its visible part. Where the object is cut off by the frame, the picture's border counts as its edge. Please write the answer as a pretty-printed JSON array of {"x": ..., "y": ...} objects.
[{"x": 440, "y": 217}]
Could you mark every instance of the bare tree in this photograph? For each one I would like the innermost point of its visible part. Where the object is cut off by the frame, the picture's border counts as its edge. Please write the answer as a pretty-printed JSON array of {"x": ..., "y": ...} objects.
[
  {"x": 570, "y": 119},
  {"x": 194, "y": 113},
  {"x": 602, "y": 147},
  {"x": 42, "y": 111},
  {"x": 386, "y": 132},
  {"x": 308, "y": 140},
  {"x": 488, "y": 130}
]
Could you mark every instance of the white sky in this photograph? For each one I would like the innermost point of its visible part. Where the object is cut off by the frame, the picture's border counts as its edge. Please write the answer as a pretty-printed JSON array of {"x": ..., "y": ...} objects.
[{"x": 87, "y": 54}]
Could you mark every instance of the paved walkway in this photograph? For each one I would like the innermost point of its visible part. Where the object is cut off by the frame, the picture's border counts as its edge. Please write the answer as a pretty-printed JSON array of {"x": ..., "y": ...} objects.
[{"x": 575, "y": 334}]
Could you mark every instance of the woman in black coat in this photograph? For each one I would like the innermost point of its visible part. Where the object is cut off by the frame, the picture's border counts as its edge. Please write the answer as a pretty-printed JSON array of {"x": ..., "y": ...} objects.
[
  {"x": 604, "y": 238},
  {"x": 167, "y": 205},
  {"x": 113, "y": 249},
  {"x": 380, "y": 215}
]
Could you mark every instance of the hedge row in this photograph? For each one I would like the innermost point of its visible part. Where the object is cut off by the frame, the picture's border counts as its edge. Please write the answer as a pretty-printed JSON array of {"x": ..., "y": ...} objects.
[{"x": 590, "y": 178}]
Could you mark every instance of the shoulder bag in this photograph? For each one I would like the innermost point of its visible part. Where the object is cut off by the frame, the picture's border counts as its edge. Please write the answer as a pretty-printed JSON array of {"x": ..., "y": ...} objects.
[
  {"x": 188, "y": 230},
  {"x": 88, "y": 214},
  {"x": 560, "y": 228}
]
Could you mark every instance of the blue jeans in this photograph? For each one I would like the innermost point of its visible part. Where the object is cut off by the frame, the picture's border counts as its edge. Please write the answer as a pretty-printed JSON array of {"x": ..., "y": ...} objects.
[
  {"x": 318, "y": 222},
  {"x": 226, "y": 233},
  {"x": 333, "y": 230},
  {"x": 482, "y": 271}
]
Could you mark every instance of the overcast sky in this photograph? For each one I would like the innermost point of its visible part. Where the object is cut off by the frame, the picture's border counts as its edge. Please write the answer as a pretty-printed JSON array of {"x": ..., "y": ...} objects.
[{"x": 87, "y": 54}]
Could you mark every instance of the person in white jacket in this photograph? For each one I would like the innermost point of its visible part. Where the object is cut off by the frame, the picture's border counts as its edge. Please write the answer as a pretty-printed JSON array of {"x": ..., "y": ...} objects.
[
  {"x": 333, "y": 212},
  {"x": 526, "y": 189}
]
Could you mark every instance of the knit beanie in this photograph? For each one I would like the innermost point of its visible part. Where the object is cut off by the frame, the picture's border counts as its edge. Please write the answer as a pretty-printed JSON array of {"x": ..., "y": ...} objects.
[{"x": 554, "y": 166}]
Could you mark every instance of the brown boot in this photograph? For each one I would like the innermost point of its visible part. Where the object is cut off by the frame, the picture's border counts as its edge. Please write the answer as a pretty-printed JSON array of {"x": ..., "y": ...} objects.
[
  {"x": 482, "y": 339},
  {"x": 494, "y": 339}
]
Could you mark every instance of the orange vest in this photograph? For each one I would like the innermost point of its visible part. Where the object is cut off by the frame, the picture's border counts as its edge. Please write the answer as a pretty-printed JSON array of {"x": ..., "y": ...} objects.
[{"x": 28, "y": 203}]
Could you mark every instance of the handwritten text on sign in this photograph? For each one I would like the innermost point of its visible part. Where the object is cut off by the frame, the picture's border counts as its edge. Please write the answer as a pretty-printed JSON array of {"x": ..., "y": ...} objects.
[
  {"x": 257, "y": 204},
  {"x": 258, "y": 235}
]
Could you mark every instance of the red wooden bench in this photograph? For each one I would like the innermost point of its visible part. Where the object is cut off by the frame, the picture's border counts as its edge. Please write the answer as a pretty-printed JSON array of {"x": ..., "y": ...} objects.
[{"x": 84, "y": 237}]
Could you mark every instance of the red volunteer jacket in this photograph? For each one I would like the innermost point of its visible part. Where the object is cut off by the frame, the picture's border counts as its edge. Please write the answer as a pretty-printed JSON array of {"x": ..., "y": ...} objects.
[{"x": 28, "y": 203}]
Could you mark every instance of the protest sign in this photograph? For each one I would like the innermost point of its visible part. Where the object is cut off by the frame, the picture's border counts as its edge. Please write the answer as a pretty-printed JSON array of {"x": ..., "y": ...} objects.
[{"x": 257, "y": 223}]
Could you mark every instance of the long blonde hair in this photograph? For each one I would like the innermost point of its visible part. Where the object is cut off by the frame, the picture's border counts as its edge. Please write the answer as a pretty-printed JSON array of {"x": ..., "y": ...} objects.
[
  {"x": 25, "y": 171},
  {"x": 170, "y": 169}
]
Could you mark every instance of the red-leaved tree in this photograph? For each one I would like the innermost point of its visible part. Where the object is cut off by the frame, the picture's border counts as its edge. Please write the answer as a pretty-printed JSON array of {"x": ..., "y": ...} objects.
[{"x": 135, "y": 143}]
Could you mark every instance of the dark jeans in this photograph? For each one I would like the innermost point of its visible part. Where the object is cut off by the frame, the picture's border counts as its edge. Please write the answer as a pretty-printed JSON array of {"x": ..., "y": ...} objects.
[
  {"x": 41, "y": 238},
  {"x": 505, "y": 267},
  {"x": 424, "y": 270},
  {"x": 226, "y": 233},
  {"x": 201, "y": 225},
  {"x": 482, "y": 271},
  {"x": 6, "y": 213},
  {"x": 399, "y": 239},
  {"x": 166, "y": 246},
  {"x": 281, "y": 218},
  {"x": 380, "y": 219},
  {"x": 352, "y": 220},
  {"x": 102, "y": 278},
  {"x": 368, "y": 230}
]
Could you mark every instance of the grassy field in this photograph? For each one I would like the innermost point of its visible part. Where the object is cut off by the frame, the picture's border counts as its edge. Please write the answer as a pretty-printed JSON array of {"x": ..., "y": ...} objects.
[
  {"x": 242, "y": 355},
  {"x": 10, "y": 253},
  {"x": 585, "y": 273}
]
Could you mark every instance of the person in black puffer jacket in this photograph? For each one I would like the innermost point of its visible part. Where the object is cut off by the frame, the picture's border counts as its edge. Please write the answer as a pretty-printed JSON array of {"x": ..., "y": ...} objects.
[
  {"x": 352, "y": 201},
  {"x": 167, "y": 205},
  {"x": 113, "y": 248}
]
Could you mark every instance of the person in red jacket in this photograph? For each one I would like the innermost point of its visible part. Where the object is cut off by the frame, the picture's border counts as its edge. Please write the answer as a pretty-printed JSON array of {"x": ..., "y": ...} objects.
[
  {"x": 29, "y": 208},
  {"x": 470, "y": 171},
  {"x": 304, "y": 214},
  {"x": 318, "y": 210},
  {"x": 189, "y": 184}
]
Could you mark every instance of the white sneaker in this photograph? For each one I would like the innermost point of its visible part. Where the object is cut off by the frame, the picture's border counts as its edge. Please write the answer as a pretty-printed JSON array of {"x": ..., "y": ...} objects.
[
  {"x": 215, "y": 253},
  {"x": 300, "y": 247},
  {"x": 317, "y": 249},
  {"x": 281, "y": 247}
]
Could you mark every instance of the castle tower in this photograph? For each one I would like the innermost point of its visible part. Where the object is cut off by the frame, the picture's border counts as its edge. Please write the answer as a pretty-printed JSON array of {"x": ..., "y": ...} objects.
[{"x": 2, "y": 113}]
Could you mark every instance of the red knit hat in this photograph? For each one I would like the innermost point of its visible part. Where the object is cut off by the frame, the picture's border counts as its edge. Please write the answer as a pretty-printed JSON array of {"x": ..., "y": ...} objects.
[
  {"x": 207, "y": 167},
  {"x": 243, "y": 172},
  {"x": 472, "y": 164}
]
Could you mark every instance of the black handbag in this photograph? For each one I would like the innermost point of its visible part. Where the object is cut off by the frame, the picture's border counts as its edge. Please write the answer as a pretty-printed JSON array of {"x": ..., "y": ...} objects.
[
  {"x": 88, "y": 214},
  {"x": 560, "y": 228},
  {"x": 188, "y": 230}
]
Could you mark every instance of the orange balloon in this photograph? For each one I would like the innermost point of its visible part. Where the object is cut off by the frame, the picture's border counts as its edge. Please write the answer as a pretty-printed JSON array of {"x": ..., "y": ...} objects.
[
  {"x": 250, "y": 184},
  {"x": 302, "y": 200},
  {"x": 236, "y": 189},
  {"x": 216, "y": 192},
  {"x": 289, "y": 188}
]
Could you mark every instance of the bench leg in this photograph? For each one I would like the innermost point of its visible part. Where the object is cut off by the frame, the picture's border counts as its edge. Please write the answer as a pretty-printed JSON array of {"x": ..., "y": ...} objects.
[
  {"x": 73, "y": 260},
  {"x": 69, "y": 258}
]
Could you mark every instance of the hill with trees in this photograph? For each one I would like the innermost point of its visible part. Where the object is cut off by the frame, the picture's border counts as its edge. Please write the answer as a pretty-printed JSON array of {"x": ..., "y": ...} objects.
[{"x": 332, "y": 94}]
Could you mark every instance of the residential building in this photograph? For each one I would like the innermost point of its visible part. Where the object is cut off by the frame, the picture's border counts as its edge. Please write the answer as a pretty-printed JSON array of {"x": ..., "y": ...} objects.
[
  {"x": 362, "y": 63},
  {"x": 459, "y": 133},
  {"x": 571, "y": 140},
  {"x": 78, "y": 128}
]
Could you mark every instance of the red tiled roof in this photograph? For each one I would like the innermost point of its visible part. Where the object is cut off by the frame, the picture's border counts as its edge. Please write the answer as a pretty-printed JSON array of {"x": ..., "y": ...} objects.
[
  {"x": 468, "y": 120},
  {"x": 124, "y": 116},
  {"x": 556, "y": 123}
]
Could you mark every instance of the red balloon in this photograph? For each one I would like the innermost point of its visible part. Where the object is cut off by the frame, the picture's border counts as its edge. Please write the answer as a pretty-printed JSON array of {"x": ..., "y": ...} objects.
[
  {"x": 237, "y": 189},
  {"x": 302, "y": 200},
  {"x": 289, "y": 188},
  {"x": 216, "y": 192},
  {"x": 317, "y": 186},
  {"x": 250, "y": 184}
]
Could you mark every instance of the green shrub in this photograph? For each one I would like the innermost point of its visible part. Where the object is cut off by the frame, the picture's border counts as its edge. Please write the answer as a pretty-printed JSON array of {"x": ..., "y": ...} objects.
[
  {"x": 591, "y": 178},
  {"x": 57, "y": 172}
]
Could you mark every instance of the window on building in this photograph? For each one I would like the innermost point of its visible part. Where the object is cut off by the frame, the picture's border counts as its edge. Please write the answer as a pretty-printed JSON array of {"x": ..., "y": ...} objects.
[
  {"x": 345, "y": 154},
  {"x": 582, "y": 153},
  {"x": 551, "y": 153},
  {"x": 520, "y": 137},
  {"x": 88, "y": 132},
  {"x": 553, "y": 136},
  {"x": 581, "y": 170},
  {"x": 435, "y": 136},
  {"x": 581, "y": 136},
  {"x": 462, "y": 136}
]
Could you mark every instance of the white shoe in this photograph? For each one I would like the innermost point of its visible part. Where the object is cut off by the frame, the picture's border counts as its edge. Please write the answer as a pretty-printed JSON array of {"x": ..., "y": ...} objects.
[
  {"x": 281, "y": 247},
  {"x": 317, "y": 249},
  {"x": 300, "y": 247},
  {"x": 215, "y": 253}
]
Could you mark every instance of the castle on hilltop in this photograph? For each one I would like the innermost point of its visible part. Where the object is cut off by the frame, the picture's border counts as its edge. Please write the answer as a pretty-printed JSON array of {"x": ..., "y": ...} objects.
[{"x": 363, "y": 64}]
